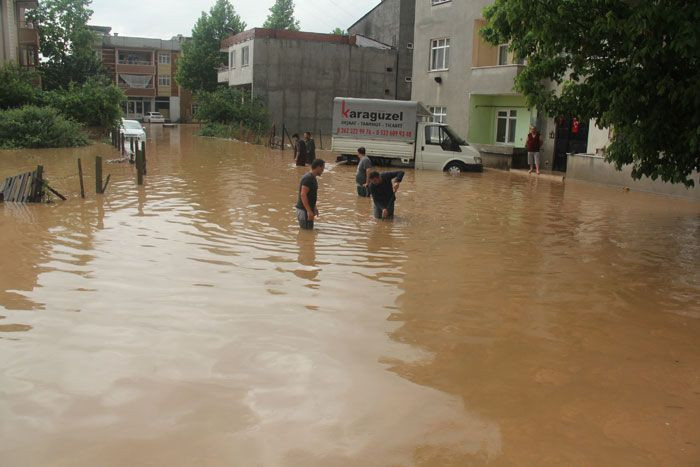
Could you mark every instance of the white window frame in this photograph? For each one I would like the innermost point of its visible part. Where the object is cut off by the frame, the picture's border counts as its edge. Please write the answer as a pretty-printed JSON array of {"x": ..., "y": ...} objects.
[
  {"x": 245, "y": 56},
  {"x": 232, "y": 59},
  {"x": 440, "y": 44},
  {"x": 439, "y": 114},
  {"x": 162, "y": 56},
  {"x": 510, "y": 120},
  {"x": 162, "y": 81},
  {"x": 501, "y": 47}
]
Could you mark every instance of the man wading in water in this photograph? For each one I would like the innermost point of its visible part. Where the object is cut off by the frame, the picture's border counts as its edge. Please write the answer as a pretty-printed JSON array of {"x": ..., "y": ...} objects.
[
  {"x": 363, "y": 170},
  {"x": 310, "y": 148},
  {"x": 383, "y": 188},
  {"x": 299, "y": 150},
  {"x": 308, "y": 192}
]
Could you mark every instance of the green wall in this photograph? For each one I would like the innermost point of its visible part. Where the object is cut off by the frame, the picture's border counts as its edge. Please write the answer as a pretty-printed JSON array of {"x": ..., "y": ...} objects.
[{"x": 482, "y": 118}]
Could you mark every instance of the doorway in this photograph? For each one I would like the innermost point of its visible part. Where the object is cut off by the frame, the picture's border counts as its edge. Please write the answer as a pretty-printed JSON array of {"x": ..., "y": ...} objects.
[{"x": 572, "y": 137}]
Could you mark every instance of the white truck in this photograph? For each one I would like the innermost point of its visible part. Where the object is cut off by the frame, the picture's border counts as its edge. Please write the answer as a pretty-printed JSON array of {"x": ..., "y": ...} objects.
[{"x": 399, "y": 133}]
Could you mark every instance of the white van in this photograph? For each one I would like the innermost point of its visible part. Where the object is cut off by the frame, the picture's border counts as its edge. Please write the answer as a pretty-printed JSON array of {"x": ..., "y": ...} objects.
[{"x": 399, "y": 133}]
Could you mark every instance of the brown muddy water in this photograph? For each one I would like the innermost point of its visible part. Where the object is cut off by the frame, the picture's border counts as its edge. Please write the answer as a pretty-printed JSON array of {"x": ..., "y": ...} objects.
[{"x": 500, "y": 320}]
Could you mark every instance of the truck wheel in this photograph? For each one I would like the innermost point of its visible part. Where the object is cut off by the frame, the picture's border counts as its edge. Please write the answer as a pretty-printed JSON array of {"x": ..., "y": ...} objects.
[{"x": 455, "y": 167}]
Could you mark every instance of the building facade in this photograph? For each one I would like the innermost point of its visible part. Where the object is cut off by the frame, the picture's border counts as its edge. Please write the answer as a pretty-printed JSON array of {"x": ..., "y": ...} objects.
[
  {"x": 392, "y": 22},
  {"x": 298, "y": 74},
  {"x": 19, "y": 39},
  {"x": 145, "y": 70},
  {"x": 469, "y": 84}
]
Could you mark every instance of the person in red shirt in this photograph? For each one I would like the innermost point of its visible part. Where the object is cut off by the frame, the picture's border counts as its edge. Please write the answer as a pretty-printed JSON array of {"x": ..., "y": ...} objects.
[{"x": 534, "y": 143}]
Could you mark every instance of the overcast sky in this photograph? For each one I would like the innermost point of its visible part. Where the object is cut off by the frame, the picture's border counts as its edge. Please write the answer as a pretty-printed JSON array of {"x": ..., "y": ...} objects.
[{"x": 163, "y": 19}]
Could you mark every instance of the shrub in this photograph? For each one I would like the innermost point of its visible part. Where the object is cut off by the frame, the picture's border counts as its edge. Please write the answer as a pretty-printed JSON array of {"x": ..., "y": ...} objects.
[
  {"x": 96, "y": 103},
  {"x": 39, "y": 127},
  {"x": 17, "y": 87},
  {"x": 230, "y": 106}
]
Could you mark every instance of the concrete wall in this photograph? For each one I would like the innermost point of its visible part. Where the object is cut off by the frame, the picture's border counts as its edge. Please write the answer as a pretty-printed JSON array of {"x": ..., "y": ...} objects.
[
  {"x": 392, "y": 22},
  {"x": 298, "y": 79},
  {"x": 593, "y": 168}
]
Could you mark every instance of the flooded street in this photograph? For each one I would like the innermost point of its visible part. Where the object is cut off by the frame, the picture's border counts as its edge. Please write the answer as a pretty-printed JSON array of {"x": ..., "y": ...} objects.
[{"x": 500, "y": 320}]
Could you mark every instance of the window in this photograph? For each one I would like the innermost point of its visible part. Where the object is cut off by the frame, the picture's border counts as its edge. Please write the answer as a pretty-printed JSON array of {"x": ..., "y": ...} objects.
[
  {"x": 439, "y": 2},
  {"x": 164, "y": 59},
  {"x": 503, "y": 54},
  {"x": 439, "y": 54},
  {"x": 439, "y": 114},
  {"x": 245, "y": 56},
  {"x": 164, "y": 80},
  {"x": 505, "y": 125},
  {"x": 232, "y": 59}
]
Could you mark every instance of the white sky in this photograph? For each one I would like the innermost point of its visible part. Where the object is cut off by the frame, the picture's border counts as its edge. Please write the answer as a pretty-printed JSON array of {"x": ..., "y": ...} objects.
[{"x": 163, "y": 19}]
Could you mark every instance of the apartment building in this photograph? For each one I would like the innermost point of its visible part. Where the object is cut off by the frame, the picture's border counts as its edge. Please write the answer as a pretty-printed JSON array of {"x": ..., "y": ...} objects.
[
  {"x": 392, "y": 22},
  {"x": 298, "y": 74},
  {"x": 468, "y": 84},
  {"x": 19, "y": 39},
  {"x": 145, "y": 70}
]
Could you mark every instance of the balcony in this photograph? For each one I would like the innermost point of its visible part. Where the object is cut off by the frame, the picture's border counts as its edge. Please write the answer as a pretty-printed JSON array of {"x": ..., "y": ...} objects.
[
  {"x": 223, "y": 75},
  {"x": 494, "y": 80},
  {"x": 27, "y": 35},
  {"x": 148, "y": 91}
]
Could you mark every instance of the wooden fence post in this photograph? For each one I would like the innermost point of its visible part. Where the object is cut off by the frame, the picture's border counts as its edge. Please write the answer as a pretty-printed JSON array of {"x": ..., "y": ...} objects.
[
  {"x": 139, "y": 168},
  {"x": 98, "y": 175},
  {"x": 143, "y": 157},
  {"x": 320, "y": 138},
  {"x": 284, "y": 130},
  {"x": 123, "y": 144},
  {"x": 80, "y": 174}
]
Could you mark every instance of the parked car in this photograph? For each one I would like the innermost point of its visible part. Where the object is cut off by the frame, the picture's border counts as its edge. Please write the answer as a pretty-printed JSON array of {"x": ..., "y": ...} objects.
[
  {"x": 153, "y": 117},
  {"x": 399, "y": 133},
  {"x": 132, "y": 129}
]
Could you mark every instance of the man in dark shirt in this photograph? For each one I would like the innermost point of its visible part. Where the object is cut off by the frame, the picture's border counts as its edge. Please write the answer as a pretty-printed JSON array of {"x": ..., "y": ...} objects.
[
  {"x": 383, "y": 188},
  {"x": 299, "y": 150},
  {"x": 308, "y": 193},
  {"x": 363, "y": 170},
  {"x": 310, "y": 148}
]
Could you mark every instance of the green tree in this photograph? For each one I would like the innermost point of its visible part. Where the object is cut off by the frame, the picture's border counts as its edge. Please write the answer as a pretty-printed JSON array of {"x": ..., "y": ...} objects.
[
  {"x": 16, "y": 87},
  {"x": 231, "y": 106},
  {"x": 39, "y": 127},
  {"x": 339, "y": 32},
  {"x": 201, "y": 55},
  {"x": 97, "y": 103},
  {"x": 66, "y": 43},
  {"x": 282, "y": 16},
  {"x": 633, "y": 66}
]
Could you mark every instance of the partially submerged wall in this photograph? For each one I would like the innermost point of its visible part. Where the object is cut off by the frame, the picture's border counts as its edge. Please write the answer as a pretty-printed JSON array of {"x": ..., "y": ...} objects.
[{"x": 594, "y": 168}]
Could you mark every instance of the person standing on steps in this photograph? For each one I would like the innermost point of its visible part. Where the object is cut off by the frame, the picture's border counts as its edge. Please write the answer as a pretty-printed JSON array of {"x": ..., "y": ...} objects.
[
  {"x": 383, "y": 188},
  {"x": 310, "y": 148},
  {"x": 299, "y": 150},
  {"x": 363, "y": 170},
  {"x": 533, "y": 144},
  {"x": 308, "y": 194}
]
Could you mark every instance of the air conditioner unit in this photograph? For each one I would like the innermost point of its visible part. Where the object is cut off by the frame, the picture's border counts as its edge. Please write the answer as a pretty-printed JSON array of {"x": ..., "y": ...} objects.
[{"x": 408, "y": 79}]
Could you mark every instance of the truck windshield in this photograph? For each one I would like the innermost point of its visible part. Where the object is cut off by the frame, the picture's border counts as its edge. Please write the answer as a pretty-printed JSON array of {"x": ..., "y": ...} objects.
[{"x": 454, "y": 136}]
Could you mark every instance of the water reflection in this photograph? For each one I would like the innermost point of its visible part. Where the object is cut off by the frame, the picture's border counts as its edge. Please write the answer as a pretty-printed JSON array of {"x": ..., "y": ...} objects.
[{"x": 497, "y": 319}]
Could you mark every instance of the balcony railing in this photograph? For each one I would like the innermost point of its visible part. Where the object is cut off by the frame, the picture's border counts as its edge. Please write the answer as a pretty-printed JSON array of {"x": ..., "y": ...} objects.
[
  {"x": 135, "y": 62},
  {"x": 495, "y": 79},
  {"x": 126, "y": 86}
]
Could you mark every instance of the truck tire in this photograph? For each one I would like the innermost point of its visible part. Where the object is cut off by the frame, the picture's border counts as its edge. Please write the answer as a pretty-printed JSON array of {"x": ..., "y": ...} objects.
[{"x": 455, "y": 167}]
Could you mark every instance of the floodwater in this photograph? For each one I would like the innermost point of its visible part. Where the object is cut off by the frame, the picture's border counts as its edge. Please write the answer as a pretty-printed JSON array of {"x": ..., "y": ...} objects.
[{"x": 500, "y": 320}]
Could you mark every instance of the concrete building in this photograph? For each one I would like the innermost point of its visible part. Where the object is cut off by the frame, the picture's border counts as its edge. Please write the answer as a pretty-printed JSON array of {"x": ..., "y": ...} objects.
[
  {"x": 19, "y": 40},
  {"x": 297, "y": 74},
  {"x": 468, "y": 84},
  {"x": 392, "y": 22},
  {"x": 145, "y": 70}
]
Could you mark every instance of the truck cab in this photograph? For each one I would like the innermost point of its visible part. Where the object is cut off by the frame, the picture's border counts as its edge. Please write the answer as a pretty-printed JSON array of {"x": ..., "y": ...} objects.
[{"x": 438, "y": 147}]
